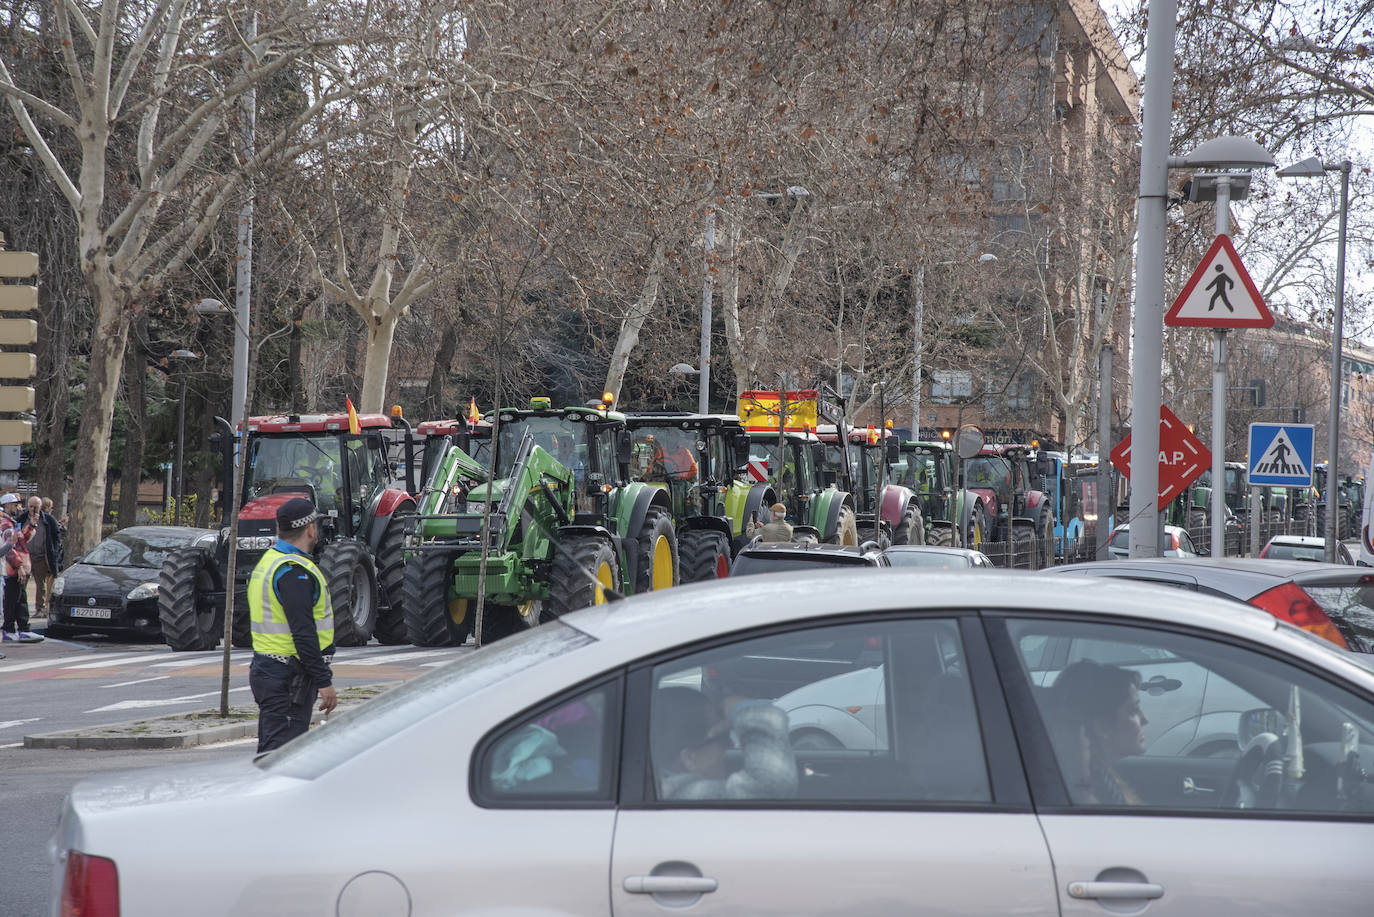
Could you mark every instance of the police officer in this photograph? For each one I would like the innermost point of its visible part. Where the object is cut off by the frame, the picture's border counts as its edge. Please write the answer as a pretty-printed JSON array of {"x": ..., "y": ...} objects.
[{"x": 293, "y": 629}]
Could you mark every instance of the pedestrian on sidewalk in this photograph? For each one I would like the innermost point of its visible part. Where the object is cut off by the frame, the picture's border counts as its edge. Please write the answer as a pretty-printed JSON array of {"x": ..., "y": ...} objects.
[
  {"x": 45, "y": 551},
  {"x": 293, "y": 629},
  {"x": 17, "y": 570}
]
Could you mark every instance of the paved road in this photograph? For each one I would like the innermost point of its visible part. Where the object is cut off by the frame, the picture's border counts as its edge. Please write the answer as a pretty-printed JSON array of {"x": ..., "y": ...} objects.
[{"x": 58, "y": 684}]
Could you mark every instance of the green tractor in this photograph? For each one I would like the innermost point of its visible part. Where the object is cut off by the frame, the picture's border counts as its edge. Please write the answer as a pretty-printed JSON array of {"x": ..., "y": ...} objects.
[
  {"x": 785, "y": 451},
  {"x": 697, "y": 459},
  {"x": 567, "y": 527},
  {"x": 931, "y": 469}
]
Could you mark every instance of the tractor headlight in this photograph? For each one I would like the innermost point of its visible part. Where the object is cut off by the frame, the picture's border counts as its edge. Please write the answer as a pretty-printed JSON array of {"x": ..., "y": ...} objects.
[
  {"x": 256, "y": 542},
  {"x": 143, "y": 591}
]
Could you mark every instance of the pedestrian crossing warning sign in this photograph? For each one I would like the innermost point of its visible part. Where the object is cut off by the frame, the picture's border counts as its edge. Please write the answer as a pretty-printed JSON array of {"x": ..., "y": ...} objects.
[
  {"x": 1220, "y": 294},
  {"x": 1281, "y": 454}
]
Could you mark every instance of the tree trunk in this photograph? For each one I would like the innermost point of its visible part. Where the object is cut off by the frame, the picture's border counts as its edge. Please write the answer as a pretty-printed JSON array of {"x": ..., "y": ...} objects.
[
  {"x": 52, "y": 395},
  {"x": 633, "y": 322},
  {"x": 135, "y": 433},
  {"x": 295, "y": 367},
  {"x": 729, "y": 307},
  {"x": 381, "y": 331},
  {"x": 109, "y": 337},
  {"x": 433, "y": 405}
]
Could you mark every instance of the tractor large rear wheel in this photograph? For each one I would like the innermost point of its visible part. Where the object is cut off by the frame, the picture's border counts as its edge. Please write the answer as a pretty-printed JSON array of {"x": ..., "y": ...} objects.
[
  {"x": 912, "y": 528},
  {"x": 1044, "y": 533},
  {"x": 352, "y": 592},
  {"x": 583, "y": 568},
  {"x": 658, "y": 552},
  {"x": 1199, "y": 528},
  {"x": 942, "y": 536},
  {"x": 391, "y": 574},
  {"x": 188, "y": 623},
  {"x": 1022, "y": 545},
  {"x": 703, "y": 554},
  {"x": 846, "y": 527},
  {"x": 975, "y": 536},
  {"x": 431, "y": 617}
]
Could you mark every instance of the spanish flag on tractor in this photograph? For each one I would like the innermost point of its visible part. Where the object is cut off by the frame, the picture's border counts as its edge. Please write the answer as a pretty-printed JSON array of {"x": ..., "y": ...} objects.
[{"x": 353, "y": 425}]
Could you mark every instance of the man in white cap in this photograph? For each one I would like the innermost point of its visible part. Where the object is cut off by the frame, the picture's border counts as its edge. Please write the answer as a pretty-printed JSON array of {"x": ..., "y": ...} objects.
[
  {"x": 777, "y": 528},
  {"x": 293, "y": 629}
]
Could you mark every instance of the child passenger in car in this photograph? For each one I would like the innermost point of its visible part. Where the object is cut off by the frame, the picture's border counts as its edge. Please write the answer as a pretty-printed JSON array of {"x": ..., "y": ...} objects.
[{"x": 690, "y": 736}]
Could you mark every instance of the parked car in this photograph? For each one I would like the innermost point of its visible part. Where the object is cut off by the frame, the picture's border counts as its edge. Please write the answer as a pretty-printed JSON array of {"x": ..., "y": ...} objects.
[
  {"x": 591, "y": 746},
  {"x": 112, "y": 589},
  {"x": 785, "y": 557},
  {"x": 1177, "y": 542},
  {"x": 933, "y": 557},
  {"x": 1333, "y": 601},
  {"x": 1303, "y": 547}
]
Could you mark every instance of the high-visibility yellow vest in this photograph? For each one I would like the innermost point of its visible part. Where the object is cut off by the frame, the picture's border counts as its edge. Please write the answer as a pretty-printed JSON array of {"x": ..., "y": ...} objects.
[{"x": 271, "y": 631}]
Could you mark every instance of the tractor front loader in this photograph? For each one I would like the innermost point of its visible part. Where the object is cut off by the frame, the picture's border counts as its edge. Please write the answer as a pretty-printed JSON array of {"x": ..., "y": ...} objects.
[{"x": 558, "y": 537}]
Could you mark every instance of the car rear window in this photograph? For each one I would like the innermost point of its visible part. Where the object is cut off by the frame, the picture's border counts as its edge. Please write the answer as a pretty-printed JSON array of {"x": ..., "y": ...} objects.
[
  {"x": 1121, "y": 539},
  {"x": 930, "y": 559},
  {"x": 748, "y": 564},
  {"x": 1295, "y": 552},
  {"x": 1351, "y": 608},
  {"x": 357, "y": 730}
]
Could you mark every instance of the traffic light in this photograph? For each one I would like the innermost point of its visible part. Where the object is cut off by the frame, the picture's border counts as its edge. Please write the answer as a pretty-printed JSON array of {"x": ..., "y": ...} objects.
[{"x": 17, "y": 332}]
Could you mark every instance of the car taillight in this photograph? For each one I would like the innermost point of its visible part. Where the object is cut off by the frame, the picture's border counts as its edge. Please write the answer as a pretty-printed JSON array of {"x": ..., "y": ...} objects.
[
  {"x": 90, "y": 887},
  {"x": 1290, "y": 603}
]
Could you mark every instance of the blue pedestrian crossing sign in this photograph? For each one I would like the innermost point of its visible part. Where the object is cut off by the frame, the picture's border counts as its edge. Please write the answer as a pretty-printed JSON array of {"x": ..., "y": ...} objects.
[{"x": 1281, "y": 454}]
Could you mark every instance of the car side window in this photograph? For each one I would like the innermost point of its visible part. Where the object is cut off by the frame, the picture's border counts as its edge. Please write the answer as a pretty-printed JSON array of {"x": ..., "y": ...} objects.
[
  {"x": 1144, "y": 718},
  {"x": 867, "y": 713},
  {"x": 560, "y": 754}
]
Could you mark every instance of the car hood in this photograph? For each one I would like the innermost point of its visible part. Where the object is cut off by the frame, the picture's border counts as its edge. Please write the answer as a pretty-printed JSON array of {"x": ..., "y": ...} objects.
[{"x": 93, "y": 579}]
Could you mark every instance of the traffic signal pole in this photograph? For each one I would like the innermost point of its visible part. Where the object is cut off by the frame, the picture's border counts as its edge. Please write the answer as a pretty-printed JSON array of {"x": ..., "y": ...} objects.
[{"x": 1147, "y": 355}]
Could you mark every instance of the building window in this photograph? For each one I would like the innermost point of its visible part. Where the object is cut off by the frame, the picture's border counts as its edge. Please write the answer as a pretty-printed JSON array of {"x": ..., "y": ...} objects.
[{"x": 946, "y": 385}]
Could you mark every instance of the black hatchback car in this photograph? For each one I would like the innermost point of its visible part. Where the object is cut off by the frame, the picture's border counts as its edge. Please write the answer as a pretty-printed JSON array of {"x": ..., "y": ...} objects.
[
  {"x": 113, "y": 588},
  {"x": 1333, "y": 601}
]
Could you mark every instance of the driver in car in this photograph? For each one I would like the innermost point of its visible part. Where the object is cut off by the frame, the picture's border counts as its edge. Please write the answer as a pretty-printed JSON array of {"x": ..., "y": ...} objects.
[{"x": 1095, "y": 721}]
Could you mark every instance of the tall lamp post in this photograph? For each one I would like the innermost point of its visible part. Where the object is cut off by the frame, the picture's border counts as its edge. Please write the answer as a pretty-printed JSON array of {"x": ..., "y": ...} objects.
[
  {"x": 1313, "y": 167},
  {"x": 708, "y": 286},
  {"x": 181, "y": 356}
]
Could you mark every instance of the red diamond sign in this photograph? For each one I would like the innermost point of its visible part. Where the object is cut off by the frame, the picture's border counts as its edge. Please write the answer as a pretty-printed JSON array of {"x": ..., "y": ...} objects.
[{"x": 1182, "y": 456}]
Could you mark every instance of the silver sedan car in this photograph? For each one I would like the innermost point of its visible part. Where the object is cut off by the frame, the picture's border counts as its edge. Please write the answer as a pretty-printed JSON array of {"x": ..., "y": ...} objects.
[{"x": 1034, "y": 745}]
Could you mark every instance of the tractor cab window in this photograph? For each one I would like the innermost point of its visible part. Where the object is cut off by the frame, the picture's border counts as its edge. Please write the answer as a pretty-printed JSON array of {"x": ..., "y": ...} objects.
[
  {"x": 987, "y": 471},
  {"x": 722, "y": 466},
  {"x": 832, "y": 468},
  {"x": 783, "y": 474},
  {"x": 805, "y": 467},
  {"x": 562, "y": 438},
  {"x": 664, "y": 454},
  {"x": 309, "y": 465},
  {"x": 367, "y": 475}
]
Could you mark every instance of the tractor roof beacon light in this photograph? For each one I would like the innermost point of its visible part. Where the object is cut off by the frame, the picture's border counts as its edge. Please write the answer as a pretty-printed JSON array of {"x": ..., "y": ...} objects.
[{"x": 396, "y": 411}]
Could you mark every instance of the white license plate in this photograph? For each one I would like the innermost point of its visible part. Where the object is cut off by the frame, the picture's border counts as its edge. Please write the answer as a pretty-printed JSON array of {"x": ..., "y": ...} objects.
[{"x": 102, "y": 613}]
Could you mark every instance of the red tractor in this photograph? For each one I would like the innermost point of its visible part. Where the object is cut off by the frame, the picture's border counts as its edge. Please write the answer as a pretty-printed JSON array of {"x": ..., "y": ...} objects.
[
  {"x": 352, "y": 480},
  {"x": 1020, "y": 529}
]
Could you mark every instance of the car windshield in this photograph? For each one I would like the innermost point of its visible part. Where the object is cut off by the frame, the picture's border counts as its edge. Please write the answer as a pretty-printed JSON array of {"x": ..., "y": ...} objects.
[
  {"x": 363, "y": 727},
  {"x": 136, "y": 549},
  {"x": 748, "y": 564},
  {"x": 935, "y": 560}
]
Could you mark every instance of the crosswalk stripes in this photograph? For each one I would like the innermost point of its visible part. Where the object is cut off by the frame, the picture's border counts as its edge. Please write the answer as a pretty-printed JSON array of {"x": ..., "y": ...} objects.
[
  {"x": 239, "y": 658},
  {"x": 386, "y": 658},
  {"x": 107, "y": 663}
]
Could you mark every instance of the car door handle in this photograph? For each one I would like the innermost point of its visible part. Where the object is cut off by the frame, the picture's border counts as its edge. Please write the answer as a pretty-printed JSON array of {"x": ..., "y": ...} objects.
[
  {"x": 667, "y": 885},
  {"x": 1115, "y": 890}
]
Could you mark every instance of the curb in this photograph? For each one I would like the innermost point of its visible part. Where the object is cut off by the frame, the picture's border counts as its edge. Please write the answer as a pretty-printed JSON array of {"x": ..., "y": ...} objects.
[
  {"x": 90, "y": 738},
  {"x": 143, "y": 733}
]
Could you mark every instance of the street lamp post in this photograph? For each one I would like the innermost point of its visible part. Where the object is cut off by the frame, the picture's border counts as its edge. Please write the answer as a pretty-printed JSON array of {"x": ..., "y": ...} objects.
[
  {"x": 708, "y": 287},
  {"x": 1313, "y": 167},
  {"x": 181, "y": 356},
  {"x": 216, "y": 307}
]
